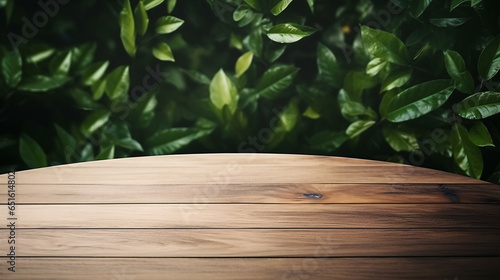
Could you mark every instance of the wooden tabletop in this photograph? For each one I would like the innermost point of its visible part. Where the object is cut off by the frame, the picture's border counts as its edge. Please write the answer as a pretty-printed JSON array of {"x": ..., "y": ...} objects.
[{"x": 247, "y": 216}]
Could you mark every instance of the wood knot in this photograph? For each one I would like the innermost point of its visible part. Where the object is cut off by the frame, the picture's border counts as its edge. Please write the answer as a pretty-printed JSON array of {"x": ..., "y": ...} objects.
[{"x": 313, "y": 195}]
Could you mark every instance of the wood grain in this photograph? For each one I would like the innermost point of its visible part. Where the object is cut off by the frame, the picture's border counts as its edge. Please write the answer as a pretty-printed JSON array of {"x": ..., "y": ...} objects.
[
  {"x": 248, "y": 216},
  {"x": 256, "y": 242},
  {"x": 256, "y": 216},
  {"x": 255, "y": 193},
  {"x": 429, "y": 268}
]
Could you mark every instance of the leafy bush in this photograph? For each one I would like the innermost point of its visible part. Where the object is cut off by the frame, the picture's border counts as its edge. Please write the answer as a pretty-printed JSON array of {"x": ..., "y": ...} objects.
[{"x": 406, "y": 81}]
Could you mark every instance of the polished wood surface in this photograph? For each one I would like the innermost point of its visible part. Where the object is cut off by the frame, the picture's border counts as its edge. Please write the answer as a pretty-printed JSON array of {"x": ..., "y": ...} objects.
[{"x": 250, "y": 216}]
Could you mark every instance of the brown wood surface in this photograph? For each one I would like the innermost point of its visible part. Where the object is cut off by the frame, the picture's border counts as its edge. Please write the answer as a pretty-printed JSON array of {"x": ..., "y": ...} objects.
[{"x": 247, "y": 216}]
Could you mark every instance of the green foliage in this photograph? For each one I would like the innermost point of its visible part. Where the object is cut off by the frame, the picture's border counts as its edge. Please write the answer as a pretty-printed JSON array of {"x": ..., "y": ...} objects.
[{"x": 410, "y": 81}]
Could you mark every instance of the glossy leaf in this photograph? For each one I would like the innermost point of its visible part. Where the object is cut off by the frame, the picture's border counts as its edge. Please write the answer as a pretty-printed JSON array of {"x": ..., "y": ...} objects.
[
  {"x": 479, "y": 106},
  {"x": 467, "y": 155},
  {"x": 94, "y": 72},
  {"x": 375, "y": 66},
  {"x": 127, "y": 25},
  {"x": 60, "y": 64},
  {"x": 327, "y": 141},
  {"x": 163, "y": 52},
  {"x": 168, "y": 24},
  {"x": 400, "y": 140},
  {"x": 455, "y": 65},
  {"x": 171, "y": 140},
  {"x": 141, "y": 19},
  {"x": 243, "y": 63},
  {"x": 94, "y": 121},
  {"x": 106, "y": 153},
  {"x": 42, "y": 83},
  {"x": 12, "y": 64},
  {"x": 418, "y": 7},
  {"x": 356, "y": 82},
  {"x": 289, "y": 116},
  {"x": 419, "y": 100},
  {"x": 129, "y": 144},
  {"x": 117, "y": 82},
  {"x": 489, "y": 60},
  {"x": 329, "y": 69},
  {"x": 280, "y": 7},
  {"x": 385, "y": 45},
  {"x": 223, "y": 92},
  {"x": 67, "y": 140},
  {"x": 449, "y": 21},
  {"x": 171, "y": 5},
  {"x": 480, "y": 136},
  {"x": 31, "y": 152},
  {"x": 397, "y": 79},
  {"x": 358, "y": 127},
  {"x": 83, "y": 55},
  {"x": 149, "y": 4},
  {"x": 275, "y": 80},
  {"x": 289, "y": 32},
  {"x": 311, "y": 5},
  {"x": 456, "y": 3}
]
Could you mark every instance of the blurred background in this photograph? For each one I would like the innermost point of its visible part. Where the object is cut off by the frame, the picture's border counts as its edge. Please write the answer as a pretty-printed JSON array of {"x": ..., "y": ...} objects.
[{"x": 411, "y": 81}]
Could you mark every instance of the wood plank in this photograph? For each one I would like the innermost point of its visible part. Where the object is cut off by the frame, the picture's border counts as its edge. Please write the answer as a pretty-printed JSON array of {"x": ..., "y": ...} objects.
[
  {"x": 458, "y": 268},
  {"x": 199, "y": 174},
  {"x": 257, "y": 216},
  {"x": 255, "y": 242},
  {"x": 256, "y": 193}
]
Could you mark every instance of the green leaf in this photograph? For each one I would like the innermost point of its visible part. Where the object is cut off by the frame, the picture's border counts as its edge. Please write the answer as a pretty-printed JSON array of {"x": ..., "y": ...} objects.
[
  {"x": 117, "y": 82},
  {"x": 400, "y": 140},
  {"x": 94, "y": 121},
  {"x": 254, "y": 41},
  {"x": 171, "y": 5},
  {"x": 479, "y": 106},
  {"x": 197, "y": 76},
  {"x": 68, "y": 141},
  {"x": 356, "y": 128},
  {"x": 448, "y": 22},
  {"x": 280, "y": 7},
  {"x": 375, "y": 66},
  {"x": 327, "y": 141},
  {"x": 149, "y": 4},
  {"x": 396, "y": 79},
  {"x": 489, "y": 60},
  {"x": 329, "y": 69},
  {"x": 83, "y": 55},
  {"x": 350, "y": 108},
  {"x": 385, "y": 45},
  {"x": 356, "y": 82},
  {"x": 141, "y": 19},
  {"x": 106, "y": 153},
  {"x": 42, "y": 83},
  {"x": 12, "y": 64},
  {"x": 60, "y": 64},
  {"x": 98, "y": 89},
  {"x": 223, "y": 92},
  {"x": 129, "y": 144},
  {"x": 127, "y": 31},
  {"x": 455, "y": 65},
  {"x": 418, "y": 7},
  {"x": 168, "y": 24},
  {"x": 456, "y": 3},
  {"x": 289, "y": 32},
  {"x": 31, "y": 152},
  {"x": 467, "y": 155},
  {"x": 94, "y": 72},
  {"x": 290, "y": 116},
  {"x": 311, "y": 5},
  {"x": 83, "y": 99},
  {"x": 163, "y": 52},
  {"x": 243, "y": 63},
  {"x": 171, "y": 140},
  {"x": 275, "y": 80},
  {"x": 480, "y": 136},
  {"x": 419, "y": 100}
]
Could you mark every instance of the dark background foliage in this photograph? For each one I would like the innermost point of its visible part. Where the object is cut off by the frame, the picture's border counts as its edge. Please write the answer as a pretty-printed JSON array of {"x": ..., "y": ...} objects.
[{"x": 405, "y": 81}]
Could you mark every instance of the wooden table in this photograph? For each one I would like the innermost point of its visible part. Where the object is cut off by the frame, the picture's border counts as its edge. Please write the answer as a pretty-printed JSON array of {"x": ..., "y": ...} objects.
[{"x": 247, "y": 216}]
